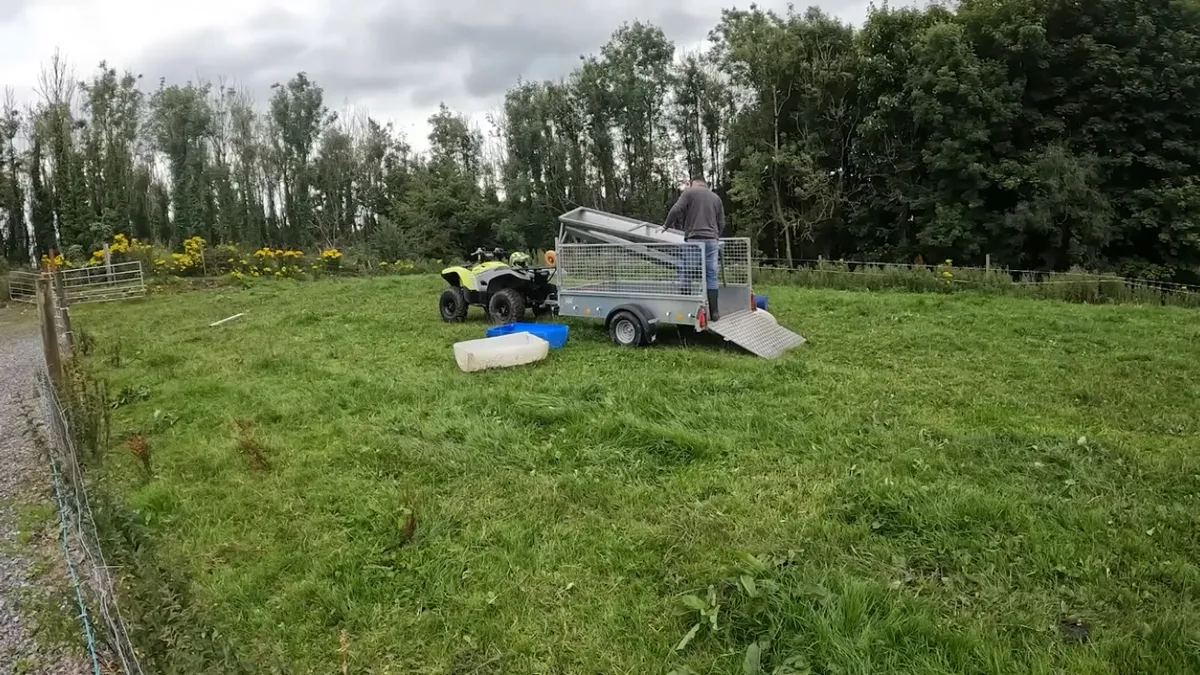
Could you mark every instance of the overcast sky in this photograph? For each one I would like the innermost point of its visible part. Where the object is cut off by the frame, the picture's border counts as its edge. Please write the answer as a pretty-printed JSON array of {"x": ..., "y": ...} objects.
[{"x": 396, "y": 58}]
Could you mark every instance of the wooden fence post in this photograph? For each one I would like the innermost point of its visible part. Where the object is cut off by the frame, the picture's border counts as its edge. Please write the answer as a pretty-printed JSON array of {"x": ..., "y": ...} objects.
[
  {"x": 64, "y": 313},
  {"x": 49, "y": 332},
  {"x": 108, "y": 273},
  {"x": 987, "y": 262}
]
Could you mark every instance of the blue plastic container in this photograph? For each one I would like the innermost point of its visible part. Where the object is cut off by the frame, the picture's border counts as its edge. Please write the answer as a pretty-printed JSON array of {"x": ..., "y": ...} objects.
[
  {"x": 555, "y": 334},
  {"x": 760, "y": 301}
]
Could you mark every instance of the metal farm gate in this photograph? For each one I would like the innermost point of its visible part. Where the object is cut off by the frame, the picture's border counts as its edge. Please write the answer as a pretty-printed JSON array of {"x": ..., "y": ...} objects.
[
  {"x": 22, "y": 286},
  {"x": 81, "y": 285}
]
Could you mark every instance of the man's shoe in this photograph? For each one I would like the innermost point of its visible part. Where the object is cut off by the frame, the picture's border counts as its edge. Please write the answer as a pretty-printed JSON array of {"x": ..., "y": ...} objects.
[{"x": 712, "y": 307}]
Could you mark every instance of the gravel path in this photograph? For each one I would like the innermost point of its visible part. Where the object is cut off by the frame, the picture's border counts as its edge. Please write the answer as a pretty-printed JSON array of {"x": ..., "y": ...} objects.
[{"x": 32, "y": 574}]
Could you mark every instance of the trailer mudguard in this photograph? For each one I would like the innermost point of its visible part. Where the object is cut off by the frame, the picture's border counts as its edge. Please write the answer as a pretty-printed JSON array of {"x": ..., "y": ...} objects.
[{"x": 648, "y": 320}]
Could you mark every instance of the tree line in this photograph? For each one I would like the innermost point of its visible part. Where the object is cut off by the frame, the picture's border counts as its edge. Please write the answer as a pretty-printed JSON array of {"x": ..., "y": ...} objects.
[{"x": 1045, "y": 134}]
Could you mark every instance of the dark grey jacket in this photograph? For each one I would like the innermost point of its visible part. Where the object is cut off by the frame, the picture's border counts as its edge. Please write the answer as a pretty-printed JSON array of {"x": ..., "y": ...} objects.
[{"x": 701, "y": 212}]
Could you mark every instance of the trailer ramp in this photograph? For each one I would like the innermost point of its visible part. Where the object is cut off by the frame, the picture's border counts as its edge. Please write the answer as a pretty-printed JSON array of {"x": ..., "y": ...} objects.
[{"x": 757, "y": 333}]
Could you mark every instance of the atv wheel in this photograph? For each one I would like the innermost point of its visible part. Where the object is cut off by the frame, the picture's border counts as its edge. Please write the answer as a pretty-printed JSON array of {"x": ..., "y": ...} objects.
[
  {"x": 506, "y": 306},
  {"x": 453, "y": 305}
]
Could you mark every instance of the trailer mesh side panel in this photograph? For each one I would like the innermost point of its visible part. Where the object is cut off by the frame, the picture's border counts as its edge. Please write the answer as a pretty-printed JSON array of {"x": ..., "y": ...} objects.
[
  {"x": 734, "y": 269},
  {"x": 675, "y": 270}
]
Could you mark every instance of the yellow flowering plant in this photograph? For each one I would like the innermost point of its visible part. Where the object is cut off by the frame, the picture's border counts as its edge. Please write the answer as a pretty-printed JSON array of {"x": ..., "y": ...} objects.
[
  {"x": 194, "y": 246},
  {"x": 946, "y": 273},
  {"x": 183, "y": 264},
  {"x": 125, "y": 249},
  {"x": 279, "y": 262},
  {"x": 331, "y": 259},
  {"x": 191, "y": 262},
  {"x": 56, "y": 263}
]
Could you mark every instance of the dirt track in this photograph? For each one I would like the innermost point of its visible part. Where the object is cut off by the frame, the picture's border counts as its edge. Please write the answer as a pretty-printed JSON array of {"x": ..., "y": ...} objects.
[{"x": 32, "y": 575}]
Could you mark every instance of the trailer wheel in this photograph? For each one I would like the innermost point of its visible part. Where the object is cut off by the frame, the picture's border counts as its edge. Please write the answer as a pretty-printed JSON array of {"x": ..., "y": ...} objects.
[{"x": 626, "y": 330}]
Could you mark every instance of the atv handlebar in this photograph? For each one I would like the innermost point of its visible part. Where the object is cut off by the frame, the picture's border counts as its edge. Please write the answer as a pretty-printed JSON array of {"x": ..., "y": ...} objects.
[{"x": 495, "y": 254}]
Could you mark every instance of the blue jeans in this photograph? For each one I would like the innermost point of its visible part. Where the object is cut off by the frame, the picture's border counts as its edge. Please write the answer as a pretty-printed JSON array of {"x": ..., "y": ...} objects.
[{"x": 710, "y": 249}]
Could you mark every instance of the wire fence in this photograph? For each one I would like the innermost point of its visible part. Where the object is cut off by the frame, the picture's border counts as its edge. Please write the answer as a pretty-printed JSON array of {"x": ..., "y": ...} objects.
[
  {"x": 1017, "y": 276},
  {"x": 1075, "y": 286},
  {"x": 105, "y": 630}
]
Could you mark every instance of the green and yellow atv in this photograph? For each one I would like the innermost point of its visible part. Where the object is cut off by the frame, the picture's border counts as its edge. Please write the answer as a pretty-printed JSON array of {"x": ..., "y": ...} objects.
[{"x": 503, "y": 289}]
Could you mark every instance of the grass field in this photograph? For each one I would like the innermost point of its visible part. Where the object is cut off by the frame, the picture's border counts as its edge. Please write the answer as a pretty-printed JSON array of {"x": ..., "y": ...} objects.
[{"x": 935, "y": 484}]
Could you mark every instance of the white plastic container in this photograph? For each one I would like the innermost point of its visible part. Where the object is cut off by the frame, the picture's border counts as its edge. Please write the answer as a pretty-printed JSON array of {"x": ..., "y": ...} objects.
[{"x": 514, "y": 349}]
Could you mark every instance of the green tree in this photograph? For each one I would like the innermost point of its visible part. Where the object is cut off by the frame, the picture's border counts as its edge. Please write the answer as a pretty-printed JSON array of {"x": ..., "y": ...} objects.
[
  {"x": 181, "y": 128},
  {"x": 113, "y": 108},
  {"x": 41, "y": 205},
  {"x": 701, "y": 115},
  {"x": 1113, "y": 85},
  {"x": 62, "y": 171},
  {"x": 962, "y": 107},
  {"x": 383, "y": 160},
  {"x": 248, "y": 180},
  {"x": 796, "y": 122},
  {"x": 298, "y": 115},
  {"x": 336, "y": 170},
  {"x": 886, "y": 159},
  {"x": 14, "y": 232},
  {"x": 637, "y": 64}
]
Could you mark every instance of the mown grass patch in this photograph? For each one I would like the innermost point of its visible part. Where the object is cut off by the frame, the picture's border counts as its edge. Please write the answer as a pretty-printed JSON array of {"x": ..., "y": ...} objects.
[{"x": 935, "y": 484}]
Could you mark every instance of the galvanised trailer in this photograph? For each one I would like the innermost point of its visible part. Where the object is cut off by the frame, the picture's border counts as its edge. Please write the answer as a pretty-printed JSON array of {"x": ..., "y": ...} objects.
[{"x": 637, "y": 276}]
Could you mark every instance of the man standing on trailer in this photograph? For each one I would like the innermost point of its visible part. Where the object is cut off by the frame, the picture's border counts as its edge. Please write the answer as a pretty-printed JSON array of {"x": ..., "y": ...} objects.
[{"x": 703, "y": 217}]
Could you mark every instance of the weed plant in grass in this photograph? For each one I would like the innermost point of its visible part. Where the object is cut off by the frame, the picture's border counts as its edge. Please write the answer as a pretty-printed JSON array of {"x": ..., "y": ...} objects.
[{"x": 934, "y": 484}]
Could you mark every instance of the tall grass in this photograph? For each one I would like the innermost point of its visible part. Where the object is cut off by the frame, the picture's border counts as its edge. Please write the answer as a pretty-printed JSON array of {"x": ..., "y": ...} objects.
[
  {"x": 155, "y": 588},
  {"x": 1072, "y": 286}
]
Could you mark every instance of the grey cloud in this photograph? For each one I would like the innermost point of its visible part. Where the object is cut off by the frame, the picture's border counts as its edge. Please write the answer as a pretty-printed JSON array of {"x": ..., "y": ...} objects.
[
  {"x": 549, "y": 52},
  {"x": 498, "y": 53},
  {"x": 12, "y": 9},
  {"x": 489, "y": 73},
  {"x": 427, "y": 96},
  {"x": 207, "y": 54},
  {"x": 463, "y": 52}
]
